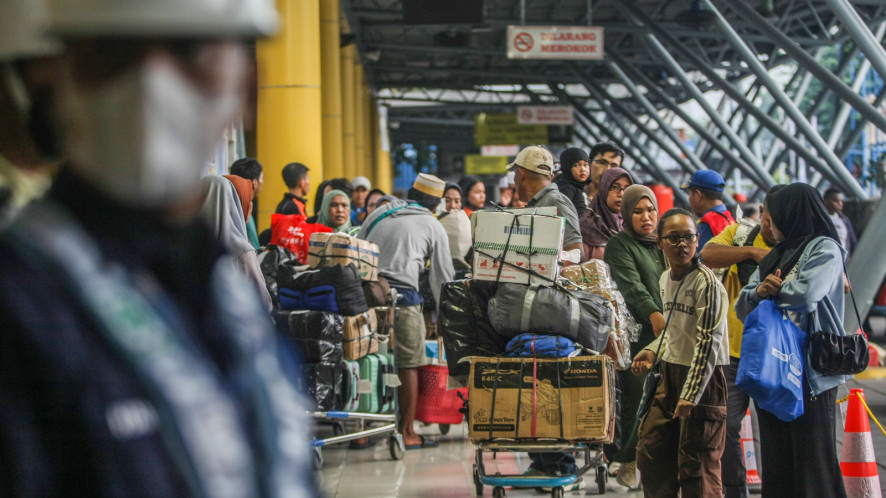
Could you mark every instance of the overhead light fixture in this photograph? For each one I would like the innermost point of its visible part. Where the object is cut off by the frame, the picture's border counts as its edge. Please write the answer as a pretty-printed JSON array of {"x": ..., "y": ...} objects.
[{"x": 767, "y": 10}]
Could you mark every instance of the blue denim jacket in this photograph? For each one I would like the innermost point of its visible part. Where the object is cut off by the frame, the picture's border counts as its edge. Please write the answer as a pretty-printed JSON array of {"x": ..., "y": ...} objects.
[{"x": 818, "y": 287}]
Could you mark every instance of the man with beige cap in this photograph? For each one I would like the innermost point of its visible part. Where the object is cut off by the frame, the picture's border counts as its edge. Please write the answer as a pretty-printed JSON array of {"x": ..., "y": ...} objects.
[
  {"x": 408, "y": 236},
  {"x": 533, "y": 174}
]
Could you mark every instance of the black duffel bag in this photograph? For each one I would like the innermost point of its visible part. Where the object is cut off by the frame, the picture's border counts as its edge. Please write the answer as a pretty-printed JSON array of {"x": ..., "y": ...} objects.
[{"x": 336, "y": 289}]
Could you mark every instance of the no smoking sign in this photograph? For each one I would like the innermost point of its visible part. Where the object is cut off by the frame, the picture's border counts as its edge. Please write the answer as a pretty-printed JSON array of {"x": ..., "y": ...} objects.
[{"x": 523, "y": 42}]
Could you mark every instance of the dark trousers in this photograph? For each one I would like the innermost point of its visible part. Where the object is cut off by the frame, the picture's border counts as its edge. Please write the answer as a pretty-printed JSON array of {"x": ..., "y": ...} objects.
[
  {"x": 681, "y": 457},
  {"x": 632, "y": 392},
  {"x": 734, "y": 474},
  {"x": 799, "y": 457},
  {"x": 553, "y": 463}
]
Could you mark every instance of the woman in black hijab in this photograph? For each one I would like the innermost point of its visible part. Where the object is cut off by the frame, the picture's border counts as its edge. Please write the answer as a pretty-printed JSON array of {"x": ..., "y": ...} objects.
[
  {"x": 803, "y": 274},
  {"x": 575, "y": 174}
]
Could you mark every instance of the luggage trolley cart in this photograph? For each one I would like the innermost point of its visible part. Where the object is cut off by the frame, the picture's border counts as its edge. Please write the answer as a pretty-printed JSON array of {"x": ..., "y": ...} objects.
[
  {"x": 589, "y": 445},
  {"x": 390, "y": 421},
  {"x": 557, "y": 483}
]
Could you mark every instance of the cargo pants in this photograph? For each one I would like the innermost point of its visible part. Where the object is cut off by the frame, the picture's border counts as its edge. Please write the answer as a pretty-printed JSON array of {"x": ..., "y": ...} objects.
[{"x": 683, "y": 455}]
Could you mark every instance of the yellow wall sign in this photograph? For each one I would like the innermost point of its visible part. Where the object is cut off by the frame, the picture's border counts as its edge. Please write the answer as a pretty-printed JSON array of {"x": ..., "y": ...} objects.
[
  {"x": 503, "y": 129},
  {"x": 476, "y": 164}
]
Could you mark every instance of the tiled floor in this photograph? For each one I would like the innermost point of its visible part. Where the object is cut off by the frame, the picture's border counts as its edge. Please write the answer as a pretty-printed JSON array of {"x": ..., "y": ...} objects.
[{"x": 445, "y": 471}]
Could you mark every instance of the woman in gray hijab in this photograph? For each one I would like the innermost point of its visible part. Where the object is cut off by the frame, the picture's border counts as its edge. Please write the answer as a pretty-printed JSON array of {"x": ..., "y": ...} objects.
[
  {"x": 224, "y": 215},
  {"x": 636, "y": 264}
]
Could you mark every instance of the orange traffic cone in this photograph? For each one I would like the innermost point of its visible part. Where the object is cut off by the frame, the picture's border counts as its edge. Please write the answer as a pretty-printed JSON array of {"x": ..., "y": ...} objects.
[
  {"x": 857, "y": 461},
  {"x": 748, "y": 452}
]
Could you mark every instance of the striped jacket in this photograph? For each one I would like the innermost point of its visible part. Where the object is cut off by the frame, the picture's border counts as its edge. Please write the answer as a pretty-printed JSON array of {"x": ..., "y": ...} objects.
[{"x": 697, "y": 332}]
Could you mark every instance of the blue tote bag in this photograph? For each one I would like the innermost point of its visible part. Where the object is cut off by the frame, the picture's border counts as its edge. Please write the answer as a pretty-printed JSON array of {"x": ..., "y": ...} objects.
[{"x": 772, "y": 362}]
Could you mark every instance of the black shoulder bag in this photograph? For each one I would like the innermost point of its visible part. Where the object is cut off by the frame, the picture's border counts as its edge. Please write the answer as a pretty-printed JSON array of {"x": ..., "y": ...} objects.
[{"x": 834, "y": 354}]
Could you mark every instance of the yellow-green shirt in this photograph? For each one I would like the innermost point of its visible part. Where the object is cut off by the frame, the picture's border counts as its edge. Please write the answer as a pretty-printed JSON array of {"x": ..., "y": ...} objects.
[{"x": 733, "y": 287}]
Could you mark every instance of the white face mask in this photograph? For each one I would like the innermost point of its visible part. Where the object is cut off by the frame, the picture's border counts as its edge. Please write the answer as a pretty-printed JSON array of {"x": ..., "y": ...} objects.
[{"x": 144, "y": 137}]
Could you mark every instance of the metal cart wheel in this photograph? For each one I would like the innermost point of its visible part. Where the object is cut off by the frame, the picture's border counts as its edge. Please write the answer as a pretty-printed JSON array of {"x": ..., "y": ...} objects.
[
  {"x": 478, "y": 485},
  {"x": 557, "y": 492},
  {"x": 602, "y": 477},
  {"x": 444, "y": 429},
  {"x": 318, "y": 459},
  {"x": 396, "y": 446},
  {"x": 498, "y": 492}
]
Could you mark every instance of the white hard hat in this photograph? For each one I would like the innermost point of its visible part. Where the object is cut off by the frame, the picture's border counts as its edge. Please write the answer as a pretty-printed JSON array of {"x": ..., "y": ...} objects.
[
  {"x": 22, "y": 30},
  {"x": 163, "y": 18}
]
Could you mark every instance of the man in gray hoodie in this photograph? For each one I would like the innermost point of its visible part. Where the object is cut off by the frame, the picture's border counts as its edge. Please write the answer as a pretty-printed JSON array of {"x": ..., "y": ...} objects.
[{"x": 408, "y": 235}]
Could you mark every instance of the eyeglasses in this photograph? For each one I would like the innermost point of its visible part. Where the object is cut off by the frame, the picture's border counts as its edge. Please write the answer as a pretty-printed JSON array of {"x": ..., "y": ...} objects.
[
  {"x": 604, "y": 162},
  {"x": 617, "y": 189},
  {"x": 674, "y": 240}
]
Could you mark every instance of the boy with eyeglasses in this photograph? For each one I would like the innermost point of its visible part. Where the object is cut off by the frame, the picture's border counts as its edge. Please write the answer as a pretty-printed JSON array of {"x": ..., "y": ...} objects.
[{"x": 683, "y": 431}]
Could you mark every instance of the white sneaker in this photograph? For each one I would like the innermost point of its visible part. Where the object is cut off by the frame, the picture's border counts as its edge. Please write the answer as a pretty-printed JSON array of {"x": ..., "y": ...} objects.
[
  {"x": 627, "y": 475},
  {"x": 613, "y": 468}
]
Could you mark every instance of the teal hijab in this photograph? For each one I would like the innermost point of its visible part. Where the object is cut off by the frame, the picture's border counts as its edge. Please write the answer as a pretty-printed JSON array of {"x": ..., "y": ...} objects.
[{"x": 323, "y": 216}]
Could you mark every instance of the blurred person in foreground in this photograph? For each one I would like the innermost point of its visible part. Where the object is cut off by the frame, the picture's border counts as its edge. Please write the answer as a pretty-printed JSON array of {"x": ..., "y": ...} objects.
[
  {"x": 29, "y": 145},
  {"x": 135, "y": 360}
]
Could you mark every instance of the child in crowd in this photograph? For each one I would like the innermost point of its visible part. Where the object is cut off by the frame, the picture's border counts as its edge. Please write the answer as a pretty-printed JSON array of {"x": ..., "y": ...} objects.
[{"x": 683, "y": 431}]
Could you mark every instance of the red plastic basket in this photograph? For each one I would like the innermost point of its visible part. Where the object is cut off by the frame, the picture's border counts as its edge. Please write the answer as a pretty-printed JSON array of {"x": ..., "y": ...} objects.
[{"x": 435, "y": 404}]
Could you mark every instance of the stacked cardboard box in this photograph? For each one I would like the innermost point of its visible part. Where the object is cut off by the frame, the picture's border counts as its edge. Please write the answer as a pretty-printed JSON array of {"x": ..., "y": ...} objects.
[
  {"x": 568, "y": 398},
  {"x": 330, "y": 249}
]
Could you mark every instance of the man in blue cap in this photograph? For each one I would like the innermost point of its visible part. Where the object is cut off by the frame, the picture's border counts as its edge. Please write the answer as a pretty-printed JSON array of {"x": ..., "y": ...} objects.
[{"x": 705, "y": 191}]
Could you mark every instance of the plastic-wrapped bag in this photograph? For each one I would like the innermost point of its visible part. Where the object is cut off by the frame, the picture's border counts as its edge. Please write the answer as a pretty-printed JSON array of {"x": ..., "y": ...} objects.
[
  {"x": 594, "y": 277},
  {"x": 325, "y": 384},
  {"x": 464, "y": 324},
  {"x": 316, "y": 335},
  {"x": 772, "y": 361}
]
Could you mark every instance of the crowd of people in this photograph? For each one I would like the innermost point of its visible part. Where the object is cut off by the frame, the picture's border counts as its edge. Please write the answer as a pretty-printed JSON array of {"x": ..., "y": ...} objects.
[{"x": 162, "y": 372}]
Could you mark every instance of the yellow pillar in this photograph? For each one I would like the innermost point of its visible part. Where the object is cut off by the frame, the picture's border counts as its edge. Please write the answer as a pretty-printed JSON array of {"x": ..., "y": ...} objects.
[
  {"x": 330, "y": 70},
  {"x": 384, "y": 175},
  {"x": 369, "y": 150},
  {"x": 289, "y": 120},
  {"x": 359, "y": 120},
  {"x": 348, "y": 112}
]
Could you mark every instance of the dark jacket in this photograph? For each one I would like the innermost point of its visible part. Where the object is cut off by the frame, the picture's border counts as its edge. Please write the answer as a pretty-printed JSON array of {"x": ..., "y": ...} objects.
[
  {"x": 636, "y": 267},
  {"x": 574, "y": 191},
  {"x": 75, "y": 417},
  {"x": 851, "y": 238},
  {"x": 289, "y": 206}
]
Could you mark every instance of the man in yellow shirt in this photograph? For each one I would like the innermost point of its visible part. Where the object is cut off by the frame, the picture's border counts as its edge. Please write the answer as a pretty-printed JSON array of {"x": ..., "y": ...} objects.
[{"x": 739, "y": 247}]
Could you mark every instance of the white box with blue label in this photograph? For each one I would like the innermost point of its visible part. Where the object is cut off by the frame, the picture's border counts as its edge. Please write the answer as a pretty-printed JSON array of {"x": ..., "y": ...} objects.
[{"x": 517, "y": 247}]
